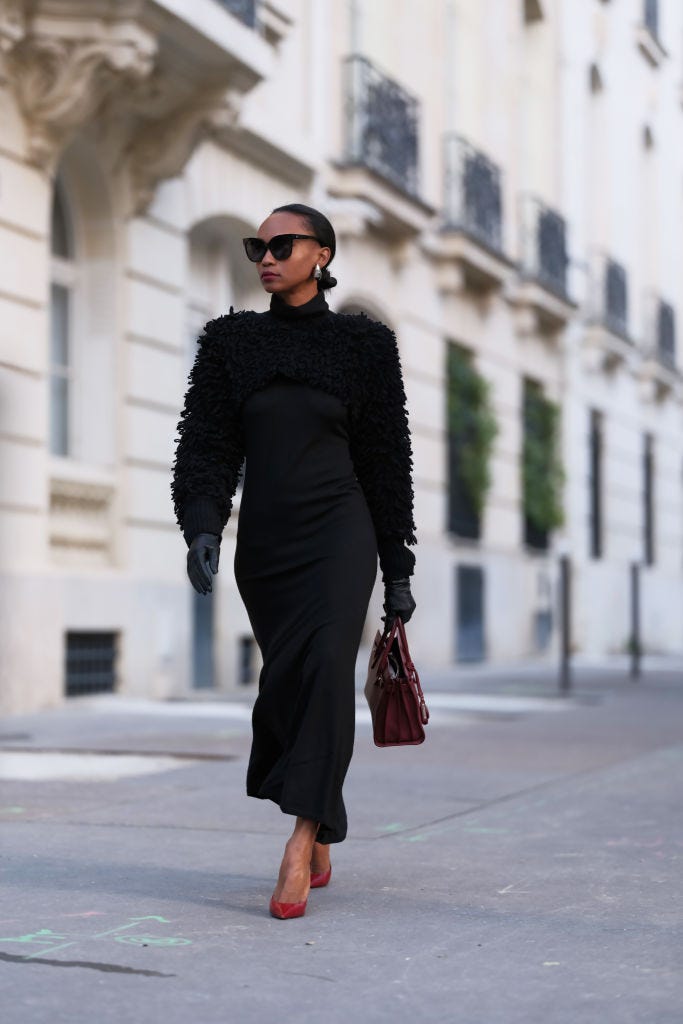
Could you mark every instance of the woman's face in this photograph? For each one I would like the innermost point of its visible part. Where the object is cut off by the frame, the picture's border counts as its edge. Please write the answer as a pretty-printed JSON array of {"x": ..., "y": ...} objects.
[{"x": 291, "y": 278}]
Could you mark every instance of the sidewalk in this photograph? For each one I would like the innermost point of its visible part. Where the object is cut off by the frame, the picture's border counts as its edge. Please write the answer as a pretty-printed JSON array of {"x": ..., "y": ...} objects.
[{"x": 523, "y": 866}]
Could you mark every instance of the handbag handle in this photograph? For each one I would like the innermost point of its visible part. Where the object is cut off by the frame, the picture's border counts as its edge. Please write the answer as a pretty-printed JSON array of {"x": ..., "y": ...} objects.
[{"x": 397, "y": 630}]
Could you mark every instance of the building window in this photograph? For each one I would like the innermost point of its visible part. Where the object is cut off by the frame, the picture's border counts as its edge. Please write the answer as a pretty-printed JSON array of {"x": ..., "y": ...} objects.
[
  {"x": 246, "y": 652},
  {"x": 595, "y": 469},
  {"x": 666, "y": 334},
  {"x": 532, "y": 11},
  {"x": 90, "y": 663},
  {"x": 470, "y": 641},
  {"x": 542, "y": 470},
  {"x": 616, "y": 298},
  {"x": 648, "y": 500},
  {"x": 471, "y": 429},
  {"x": 64, "y": 275}
]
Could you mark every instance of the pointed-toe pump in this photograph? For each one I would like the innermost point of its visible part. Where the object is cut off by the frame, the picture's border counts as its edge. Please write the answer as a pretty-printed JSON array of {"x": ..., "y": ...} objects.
[
  {"x": 319, "y": 879},
  {"x": 285, "y": 911}
]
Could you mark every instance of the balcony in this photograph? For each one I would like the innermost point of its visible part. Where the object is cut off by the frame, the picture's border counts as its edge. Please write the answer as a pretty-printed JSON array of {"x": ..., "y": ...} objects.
[
  {"x": 607, "y": 338},
  {"x": 381, "y": 147},
  {"x": 543, "y": 287},
  {"x": 659, "y": 369},
  {"x": 472, "y": 232}
]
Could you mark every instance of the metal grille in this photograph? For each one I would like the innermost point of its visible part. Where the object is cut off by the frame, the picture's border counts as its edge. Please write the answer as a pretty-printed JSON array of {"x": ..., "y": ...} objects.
[
  {"x": 473, "y": 192},
  {"x": 381, "y": 125},
  {"x": 90, "y": 663},
  {"x": 666, "y": 334},
  {"x": 616, "y": 298},
  {"x": 245, "y": 10},
  {"x": 545, "y": 246}
]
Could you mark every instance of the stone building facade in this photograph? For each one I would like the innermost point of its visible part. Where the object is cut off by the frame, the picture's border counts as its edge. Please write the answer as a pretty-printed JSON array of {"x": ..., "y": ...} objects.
[{"x": 504, "y": 177}]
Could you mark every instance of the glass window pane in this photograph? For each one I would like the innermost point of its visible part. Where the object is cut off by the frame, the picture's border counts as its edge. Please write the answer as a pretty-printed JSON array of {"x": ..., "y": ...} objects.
[
  {"x": 59, "y": 326},
  {"x": 61, "y": 235},
  {"x": 59, "y": 415}
]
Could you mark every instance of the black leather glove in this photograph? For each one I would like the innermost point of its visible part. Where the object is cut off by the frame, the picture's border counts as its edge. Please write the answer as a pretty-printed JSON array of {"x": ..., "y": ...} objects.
[
  {"x": 202, "y": 561},
  {"x": 397, "y": 601}
]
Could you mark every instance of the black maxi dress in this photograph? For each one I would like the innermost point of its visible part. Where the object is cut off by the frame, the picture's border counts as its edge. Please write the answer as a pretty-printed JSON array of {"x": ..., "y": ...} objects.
[{"x": 305, "y": 565}]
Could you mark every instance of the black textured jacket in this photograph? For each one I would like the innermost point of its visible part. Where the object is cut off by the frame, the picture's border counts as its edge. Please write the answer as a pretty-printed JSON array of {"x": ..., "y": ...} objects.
[{"x": 350, "y": 356}]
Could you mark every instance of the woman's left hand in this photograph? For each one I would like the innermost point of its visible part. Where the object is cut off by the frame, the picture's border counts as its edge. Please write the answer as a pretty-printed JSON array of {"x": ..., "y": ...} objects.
[{"x": 398, "y": 601}]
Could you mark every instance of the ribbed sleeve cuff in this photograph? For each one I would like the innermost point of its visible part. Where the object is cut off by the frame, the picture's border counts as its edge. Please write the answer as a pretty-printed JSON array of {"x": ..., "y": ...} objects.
[
  {"x": 201, "y": 515},
  {"x": 396, "y": 560}
]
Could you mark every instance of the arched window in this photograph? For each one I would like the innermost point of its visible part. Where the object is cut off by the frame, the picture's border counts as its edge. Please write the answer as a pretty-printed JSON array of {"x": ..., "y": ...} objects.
[{"x": 63, "y": 278}]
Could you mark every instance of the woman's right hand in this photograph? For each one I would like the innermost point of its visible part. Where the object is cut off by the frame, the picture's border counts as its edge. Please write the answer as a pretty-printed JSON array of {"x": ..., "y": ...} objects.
[
  {"x": 202, "y": 561},
  {"x": 398, "y": 601}
]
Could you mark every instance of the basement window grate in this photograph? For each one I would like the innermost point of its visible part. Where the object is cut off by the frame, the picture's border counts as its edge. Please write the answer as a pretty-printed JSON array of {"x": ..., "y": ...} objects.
[{"x": 90, "y": 663}]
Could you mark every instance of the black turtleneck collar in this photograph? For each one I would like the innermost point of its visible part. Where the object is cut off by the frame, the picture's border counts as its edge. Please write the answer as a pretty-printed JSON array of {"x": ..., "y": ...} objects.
[{"x": 314, "y": 307}]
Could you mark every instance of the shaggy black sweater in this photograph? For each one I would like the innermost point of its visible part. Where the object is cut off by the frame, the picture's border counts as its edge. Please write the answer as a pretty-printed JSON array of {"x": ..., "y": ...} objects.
[{"x": 350, "y": 356}]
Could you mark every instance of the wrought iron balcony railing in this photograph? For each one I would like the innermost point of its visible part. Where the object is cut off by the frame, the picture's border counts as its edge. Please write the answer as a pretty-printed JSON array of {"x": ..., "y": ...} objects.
[
  {"x": 610, "y": 296},
  {"x": 665, "y": 334},
  {"x": 381, "y": 125},
  {"x": 245, "y": 10},
  {"x": 473, "y": 200},
  {"x": 544, "y": 246}
]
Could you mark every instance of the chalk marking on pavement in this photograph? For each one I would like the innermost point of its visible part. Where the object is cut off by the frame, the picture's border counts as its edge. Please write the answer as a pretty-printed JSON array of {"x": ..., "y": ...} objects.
[{"x": 46, "y": 938}]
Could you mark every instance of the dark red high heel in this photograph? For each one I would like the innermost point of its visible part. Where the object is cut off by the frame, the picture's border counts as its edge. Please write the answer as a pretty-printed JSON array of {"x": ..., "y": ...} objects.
[
  {"x": 319, "y": 879},
  {"x": 284, "y": 911}
]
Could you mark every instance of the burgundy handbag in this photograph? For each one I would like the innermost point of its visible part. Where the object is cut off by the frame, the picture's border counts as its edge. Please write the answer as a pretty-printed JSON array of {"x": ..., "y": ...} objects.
[{"x": 393, "y": 691}]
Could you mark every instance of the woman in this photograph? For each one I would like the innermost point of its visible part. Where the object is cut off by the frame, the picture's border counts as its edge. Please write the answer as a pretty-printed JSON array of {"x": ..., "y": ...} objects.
[{"x": 315, "y": 402}]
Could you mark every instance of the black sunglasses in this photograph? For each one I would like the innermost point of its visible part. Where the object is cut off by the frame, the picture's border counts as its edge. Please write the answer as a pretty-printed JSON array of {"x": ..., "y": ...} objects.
[{"x": 279, "y": 245}]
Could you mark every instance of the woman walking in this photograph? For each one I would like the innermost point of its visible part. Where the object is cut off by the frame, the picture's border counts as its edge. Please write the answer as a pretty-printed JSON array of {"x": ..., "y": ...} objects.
[{"x": 315, "y": 403}]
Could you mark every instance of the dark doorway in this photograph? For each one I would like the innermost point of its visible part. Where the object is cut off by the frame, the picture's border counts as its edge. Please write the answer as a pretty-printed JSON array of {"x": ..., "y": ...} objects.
[
  {"x": 470, "y": 644},
  {"x": 202, "y": 640}
]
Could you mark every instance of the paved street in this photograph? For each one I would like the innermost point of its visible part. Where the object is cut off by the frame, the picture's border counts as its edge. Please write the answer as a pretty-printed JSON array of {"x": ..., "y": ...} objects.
[{"x": 522, "y": 866}]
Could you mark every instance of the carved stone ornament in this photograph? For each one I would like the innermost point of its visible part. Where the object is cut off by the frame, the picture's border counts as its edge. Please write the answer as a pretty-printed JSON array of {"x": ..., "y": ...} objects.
[
  {"x": 100, "y": 65},
  {"x": 60, "y": 81}
]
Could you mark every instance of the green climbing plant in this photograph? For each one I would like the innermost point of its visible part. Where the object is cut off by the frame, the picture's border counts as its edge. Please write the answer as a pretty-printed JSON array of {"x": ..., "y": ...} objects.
[
  {"x": 542, "y": 471},
  {"x": 472, "y": 425}
]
